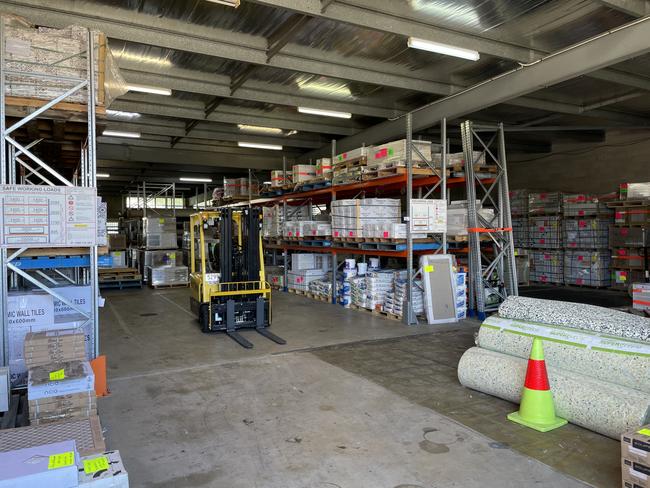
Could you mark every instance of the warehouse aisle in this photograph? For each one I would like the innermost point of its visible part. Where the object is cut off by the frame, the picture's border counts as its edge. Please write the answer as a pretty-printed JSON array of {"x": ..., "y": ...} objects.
[{"x": 190, "y": 410}]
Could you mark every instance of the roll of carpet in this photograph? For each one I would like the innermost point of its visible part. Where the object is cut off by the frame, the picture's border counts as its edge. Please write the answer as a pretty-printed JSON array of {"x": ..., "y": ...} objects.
[
  {"x": 578, "y": 316},
  {"x": 621, "y": 367},
  {"x": 596, "y": 405}
]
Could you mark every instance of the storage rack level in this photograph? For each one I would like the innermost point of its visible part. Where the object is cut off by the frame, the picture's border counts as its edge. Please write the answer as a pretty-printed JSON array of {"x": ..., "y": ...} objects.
[{"x": 385, "y": 186}]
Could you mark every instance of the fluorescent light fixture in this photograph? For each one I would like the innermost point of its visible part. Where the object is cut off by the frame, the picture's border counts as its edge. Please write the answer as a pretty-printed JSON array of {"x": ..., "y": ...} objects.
[
  {"x": 325, "y": 113},
  {"x": 437, "y": 47},
  {"x": 103, "y": 175},
  {"x": 291, "y": 133},
  {"x": 121, "y": 133},
  {"x": 257, "y": 128},
  {"x": 255, "y": 145},
  {"x": 196, "y": 180},
  {"x": 229, "y": 3},
  {"x": 156, "y": 90},
  {"x": 122, "y": 114}
]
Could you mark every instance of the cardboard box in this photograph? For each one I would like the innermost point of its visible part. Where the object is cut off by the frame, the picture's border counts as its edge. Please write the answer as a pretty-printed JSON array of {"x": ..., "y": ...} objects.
[
  {"x": 635, "y": 474},
  {"x": 278, "y": 179},
  {"x": 34, "y": 466},
  {"x": 78, "y": 377},
  {"x": 113, "y": 477},
  {"x": 634, "y": 191},
  {"x": 360, "y": 152},
  {"x": 303, "y": 172},
  {"x": 396, "y": 151},
  {"x": 116, "y": 242},
  {"x": 119, "y": 259},
  {"x": 635, "y": 445}
]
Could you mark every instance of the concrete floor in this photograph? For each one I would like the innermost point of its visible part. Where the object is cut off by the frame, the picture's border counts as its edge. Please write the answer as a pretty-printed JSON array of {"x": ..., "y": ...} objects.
[{"x": 195, "y": 410}]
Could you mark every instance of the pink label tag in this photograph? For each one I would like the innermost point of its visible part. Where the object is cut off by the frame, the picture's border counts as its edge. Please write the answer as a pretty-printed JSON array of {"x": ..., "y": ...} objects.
[
  {"x": 547, "y": 256},
  {"x": 299, "y": 279},
  {"x": 580, "y": 258},
  {"x": 298, "y": 234},
  {"x": 581, "y": 198},
  {"x": 579, "y": 281},
  {"x": 543, "y": 278},
  {"x": 542, "y": 241},
  {"x": 351, "y": 234},
  {"x": 541, "y": 229},
  {"x": 621, "y": 252},
  {"x": 624, "y": 231},
  {"x": 313, "y": 232},
  {"x": 290, "y": 233},
  {"x": 582, "y": 224},
  {"x": 386, "y": 234},
  {"x": 336, "y": 233},
  {"x": 574, "y": 244},
  {"x": 618, "y": 215},
  {"x": 581, "y": 213},
  {"x": 542, "y": 196},
  {"x": 382, "y": 153}
]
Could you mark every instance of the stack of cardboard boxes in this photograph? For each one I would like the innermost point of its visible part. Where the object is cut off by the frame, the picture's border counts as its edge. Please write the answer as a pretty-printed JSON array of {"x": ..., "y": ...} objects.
[{"x": 635, "y": 458}]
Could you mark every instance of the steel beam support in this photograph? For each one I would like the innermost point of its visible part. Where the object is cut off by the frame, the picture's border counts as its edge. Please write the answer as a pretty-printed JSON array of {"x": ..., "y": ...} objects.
[
  {"x": 635, "y": 8},
  {"x": 604, "y": 50},
  {"x": 283, "y": 34}
]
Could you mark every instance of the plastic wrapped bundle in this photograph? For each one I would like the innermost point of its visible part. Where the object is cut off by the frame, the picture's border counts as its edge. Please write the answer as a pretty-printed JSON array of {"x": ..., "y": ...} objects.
[
  {"x": 577, "y": 316},
  {"x": 596, "y": 405}
]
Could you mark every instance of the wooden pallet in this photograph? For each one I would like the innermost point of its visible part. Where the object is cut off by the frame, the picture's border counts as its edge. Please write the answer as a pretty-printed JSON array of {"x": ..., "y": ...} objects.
[
  {"x": 396, "y": 171},
  {"x": 170, "y": 285},
  {"x": 629, "y": 203},
  {"x": 478, "y": 168},
  {"x": 297, "y": 292},
  {"x": 388, "y": 315},
  {"x": 350, "y": 163},
  {"x": 319, "y": 298},
  {"x": 108, "y": 278}
]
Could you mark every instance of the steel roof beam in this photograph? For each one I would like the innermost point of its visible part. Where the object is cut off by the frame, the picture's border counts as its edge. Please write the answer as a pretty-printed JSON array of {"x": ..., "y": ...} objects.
[
  {"x": 236, "y": 116},
  {"x": 257, "y": 91},
  {"x": 216, "y": 135},
  {"x": 635, "y": 8},
  {"x": 609, "y": 48},
  {"x": 137, "y": 27},
  {"x": 283, "y": 34},
  {"x": 169, "y": 156}
]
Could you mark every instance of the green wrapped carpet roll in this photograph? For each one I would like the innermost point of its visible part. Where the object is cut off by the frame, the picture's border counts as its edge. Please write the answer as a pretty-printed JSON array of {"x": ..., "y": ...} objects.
[
  {"x": 596, "y": 405},
  {"x": 621, "y": 368}
]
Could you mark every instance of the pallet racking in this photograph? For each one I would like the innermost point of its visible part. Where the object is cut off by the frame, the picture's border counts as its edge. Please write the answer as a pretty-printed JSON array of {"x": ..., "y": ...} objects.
[{"x": 18, "y": 159}]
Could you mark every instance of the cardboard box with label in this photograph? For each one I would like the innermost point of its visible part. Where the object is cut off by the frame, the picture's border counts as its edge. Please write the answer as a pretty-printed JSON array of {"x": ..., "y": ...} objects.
[{"x": 635, "y": 458}]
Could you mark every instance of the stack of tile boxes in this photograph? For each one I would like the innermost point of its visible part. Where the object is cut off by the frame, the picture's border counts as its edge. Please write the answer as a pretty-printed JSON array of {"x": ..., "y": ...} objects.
[
  {"x": 545, "y": 237},
  {"x": 351, "y": 217},
  {"x": 306, "y": 268},
  {"x": 519, "y": 212},
  {"x": 628, "y": 236},
  {"x": 161, "y": 261},
  {"x": 586, "y": 241}
]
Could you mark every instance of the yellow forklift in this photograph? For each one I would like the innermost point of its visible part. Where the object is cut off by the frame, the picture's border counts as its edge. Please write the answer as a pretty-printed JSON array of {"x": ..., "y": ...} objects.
[{"x": 237, "y": 296}]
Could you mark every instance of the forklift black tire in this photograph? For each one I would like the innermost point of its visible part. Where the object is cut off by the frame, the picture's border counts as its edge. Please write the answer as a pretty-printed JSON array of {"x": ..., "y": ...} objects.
[{"x": 204, "y": 317}]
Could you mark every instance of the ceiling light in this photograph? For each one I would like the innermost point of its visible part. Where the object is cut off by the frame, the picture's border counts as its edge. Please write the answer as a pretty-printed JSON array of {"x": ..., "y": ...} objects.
[
  {"x": 257, "y": 128},
  {"x": 122, "y": 114},
  {"x": 437, "y": 47},
  {"x": 103, "y": 175},
  {"x": 325, "y": 88},
  {"x": 156, "y": 90},
  {"x": 325, "y": 113},
  {"x": 121, "y": 133},
  {"x": 196, "y": 180},
  {"x": 260, "y": 146},
  {"x": 229, "y": 3},
  {"x": 291, "y": 133}
]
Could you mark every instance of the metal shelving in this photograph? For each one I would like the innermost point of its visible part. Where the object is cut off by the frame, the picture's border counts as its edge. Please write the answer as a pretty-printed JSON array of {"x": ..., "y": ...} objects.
[{"x": 27, "y": 263}]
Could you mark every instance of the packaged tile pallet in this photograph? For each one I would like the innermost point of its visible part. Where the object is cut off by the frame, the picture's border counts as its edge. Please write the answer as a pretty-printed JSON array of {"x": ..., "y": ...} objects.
[
  {"x": 545, "y": 203},
  {"x": 457, "y": 218},
  {"x": 159, "y": 233},
  {"x": 641, "y": 296},
  {"x": 43, "y": 50},
  {"x": 324, "y": 168},
  {"x": 354, "y": 154},
  {"x": 303, "y": 172},
  {"x": 306, "y": 229},
  {"x": 547, "y": 266},
  {"x": 583, "y": 205},
  {"x": 370, "y": 291},
  {"x": 349, "y": 216},
  {"x": 167, "y": 275},
  {"x": 520, "y": 232},
  {"x": 586, "y": 233},
  {"x": 278, "y": 178},
  {"x": 545, "y": 232},
  {"x": 396, "y": 152},
  {"x": 519, "y": 203},
  {"x": 587, "y": 268},
  {"x": 54, "y": 346},
  {"x": 58, "y": 379},
  {"x": 634, "y": 191}
]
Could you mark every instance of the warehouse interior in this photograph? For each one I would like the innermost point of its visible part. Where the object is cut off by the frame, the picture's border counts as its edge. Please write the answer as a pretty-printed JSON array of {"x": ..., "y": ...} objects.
[{"x": 325, "y": 243}]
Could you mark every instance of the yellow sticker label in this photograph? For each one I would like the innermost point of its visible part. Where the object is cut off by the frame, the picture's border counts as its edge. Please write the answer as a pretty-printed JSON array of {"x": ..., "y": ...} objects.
[
  {"x": 429, "y": 268},
  {"x": 161, "y": 221},
  {"x": 61, "y": 460},
  {"x": 96, "y": 464},
  {"x": 81, "y": 226},
  {"x": 59, "y": 374},
  {"x": 644, "y": 432},
  {"x": 622, "y": 278}
]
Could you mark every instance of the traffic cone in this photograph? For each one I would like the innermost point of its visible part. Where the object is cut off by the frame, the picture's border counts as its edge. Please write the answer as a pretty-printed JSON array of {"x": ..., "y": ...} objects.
[{"x": 536, "y": 409}]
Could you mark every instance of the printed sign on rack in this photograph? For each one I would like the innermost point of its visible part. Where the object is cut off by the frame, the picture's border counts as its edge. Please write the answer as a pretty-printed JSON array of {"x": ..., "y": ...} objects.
[{"x": 47, "y": 216}]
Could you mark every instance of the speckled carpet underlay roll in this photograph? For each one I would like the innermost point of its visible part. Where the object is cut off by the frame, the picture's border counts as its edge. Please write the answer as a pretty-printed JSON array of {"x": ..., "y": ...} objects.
[
  {"x": 598, "y": 361},
  {"x": 593, "y": 404}
]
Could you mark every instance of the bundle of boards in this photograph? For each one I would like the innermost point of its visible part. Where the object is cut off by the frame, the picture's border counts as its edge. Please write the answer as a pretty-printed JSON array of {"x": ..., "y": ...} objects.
[{"x": 598, "y": 360}]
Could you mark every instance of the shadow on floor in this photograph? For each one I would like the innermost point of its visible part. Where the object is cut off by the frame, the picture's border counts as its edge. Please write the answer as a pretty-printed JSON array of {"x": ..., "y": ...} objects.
[
  {"x": 590, "y": 296},
  {"x": 423, "y": 370}
]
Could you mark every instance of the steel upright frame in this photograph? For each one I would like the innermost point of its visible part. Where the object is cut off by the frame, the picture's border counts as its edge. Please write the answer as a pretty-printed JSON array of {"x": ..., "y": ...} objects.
[
  {"x": 13, "y": 153},
  {"x": 501, "y": 259}
]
